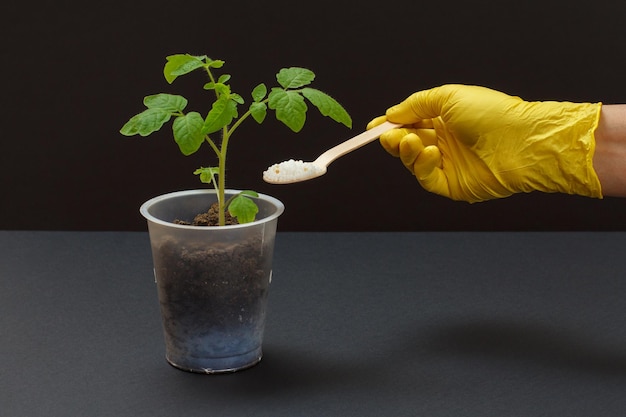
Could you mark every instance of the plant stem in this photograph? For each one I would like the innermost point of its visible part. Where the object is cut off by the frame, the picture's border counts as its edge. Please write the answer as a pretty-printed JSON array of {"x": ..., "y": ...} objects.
[
  {"x": 221, "y": 177},
  {"x": 221, "y": 155},
  {"x": 212, "y": 144},
  {"x": 221, "y": 187},
  {"x": 242, "y": 118}
]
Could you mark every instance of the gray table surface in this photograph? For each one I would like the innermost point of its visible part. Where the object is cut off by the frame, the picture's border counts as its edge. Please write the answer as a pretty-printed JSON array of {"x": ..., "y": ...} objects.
[{"x": 359, "y": 324}]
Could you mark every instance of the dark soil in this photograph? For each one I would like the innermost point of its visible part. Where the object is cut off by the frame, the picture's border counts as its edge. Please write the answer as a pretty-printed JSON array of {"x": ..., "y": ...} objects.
[
  {"x": 215, "y": 283},
  {"x": 209, "y": 218},
  {"x": 209, "y": 287}
]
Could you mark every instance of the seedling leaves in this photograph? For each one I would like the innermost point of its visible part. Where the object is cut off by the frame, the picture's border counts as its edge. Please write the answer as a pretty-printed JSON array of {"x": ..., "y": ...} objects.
[
  {"x": 181, "y": 64},
  {"x": 259, "y": 92},
  {"x": 328, "y": 106},
  {"x": 223, "y": 111},
  {"x": 243, "y": 208},
  {"x": 146, "y": 122},
  {"x": 290, "y": 108},
  {"x": 294, "y": 77},
  {"x": 258, "y": 111},
  {"x": 169, "y": 102},
  {"x": 188, "y": 132},
  {"x": 207, "y": 175},
  {"x": 289, "y": 99}
]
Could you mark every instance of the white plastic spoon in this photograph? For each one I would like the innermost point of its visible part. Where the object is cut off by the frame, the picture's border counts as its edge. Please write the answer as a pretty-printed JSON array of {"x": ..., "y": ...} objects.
[{"x": 291, "y": 171}]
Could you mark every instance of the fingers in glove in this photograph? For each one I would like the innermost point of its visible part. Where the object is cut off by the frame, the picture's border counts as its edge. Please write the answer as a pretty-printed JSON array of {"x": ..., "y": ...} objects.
[
  {"x": 390, "y": 140},
  {"x": 425, "y": 163},
  {"x": 413, "y": 143},
  {"x": 427, "y": 169},
  {"x": 428, "y": 136},
  {"x": 376, "y": 121},
  {"x": 426, "y": 104},
  {"x": 409, "y": 148}
]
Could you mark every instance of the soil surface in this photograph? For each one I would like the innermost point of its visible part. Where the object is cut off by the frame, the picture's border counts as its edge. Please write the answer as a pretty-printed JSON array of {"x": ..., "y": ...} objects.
[{"x": 209, "y": 218}]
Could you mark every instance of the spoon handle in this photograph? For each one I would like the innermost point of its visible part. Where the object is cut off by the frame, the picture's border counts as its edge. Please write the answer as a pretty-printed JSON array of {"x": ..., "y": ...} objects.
[{"x": 352, "y": 144}]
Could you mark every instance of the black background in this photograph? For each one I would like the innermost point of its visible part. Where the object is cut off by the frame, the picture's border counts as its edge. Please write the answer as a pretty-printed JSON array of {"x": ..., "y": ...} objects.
[{"x": 74, "y": 72}]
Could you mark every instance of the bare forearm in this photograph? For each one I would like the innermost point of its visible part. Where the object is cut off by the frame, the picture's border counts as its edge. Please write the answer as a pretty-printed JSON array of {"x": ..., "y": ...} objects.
[{"x": 609, "y": 160}]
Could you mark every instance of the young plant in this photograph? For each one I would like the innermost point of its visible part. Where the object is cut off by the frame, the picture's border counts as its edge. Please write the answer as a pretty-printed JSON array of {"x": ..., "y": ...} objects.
[{"x": 191, "y": 129}]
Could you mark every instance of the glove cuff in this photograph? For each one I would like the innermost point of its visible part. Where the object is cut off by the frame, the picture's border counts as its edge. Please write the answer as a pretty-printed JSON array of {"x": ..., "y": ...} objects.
[
  {"x": 579, "y": 176},
  {"x": 562, "y": 149}
]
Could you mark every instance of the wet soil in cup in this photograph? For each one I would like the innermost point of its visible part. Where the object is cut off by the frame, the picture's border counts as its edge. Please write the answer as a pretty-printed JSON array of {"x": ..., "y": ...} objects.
[
  {"x": 207, "y": 289},
  {"x": 217, "y": 286},
  {"x": 209, "y": 218}
]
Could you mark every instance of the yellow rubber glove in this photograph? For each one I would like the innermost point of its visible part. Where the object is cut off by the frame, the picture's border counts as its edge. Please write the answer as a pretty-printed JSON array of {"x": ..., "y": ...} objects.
[{"x": 473, "y": 144}]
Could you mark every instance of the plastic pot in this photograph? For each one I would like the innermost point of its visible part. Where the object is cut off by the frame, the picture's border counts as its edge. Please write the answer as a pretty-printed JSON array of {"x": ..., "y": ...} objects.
[{"x": 212, "y": 282}]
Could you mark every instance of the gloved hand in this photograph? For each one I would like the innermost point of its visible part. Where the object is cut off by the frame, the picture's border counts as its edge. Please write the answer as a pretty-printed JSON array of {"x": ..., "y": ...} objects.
[{"x": 471, "y": 143}]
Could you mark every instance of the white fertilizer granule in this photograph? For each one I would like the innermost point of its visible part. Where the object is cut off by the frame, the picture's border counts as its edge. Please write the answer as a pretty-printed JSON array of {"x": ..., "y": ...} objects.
[{"x": 291, "y": 171}]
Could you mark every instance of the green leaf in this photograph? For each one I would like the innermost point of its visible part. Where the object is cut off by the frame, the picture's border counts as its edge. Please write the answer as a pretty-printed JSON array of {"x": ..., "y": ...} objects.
[
  {"x": 243, "y": 208},
  {"x": 146, "y": 122},
  {"x": 328, "y": 106},
  {"x": 290, "y": 108},
  {"x": 207, "y": 175},
  {"x": 221, "y": 89},
  {"x": 181, "y": 64},
  {"x": 215, "y": 63},
  {"x": 294, "y": 77},
  {"x": 223, "y": 78},
  {"x": 222, "y": 113},
  {"x": 237, "y": 98},
  {"x": 188, "y": 132},
  {"x": 169, "y": 102},
  {"x": 258, "y": 111},
  {"x": 259, "y": 92}
]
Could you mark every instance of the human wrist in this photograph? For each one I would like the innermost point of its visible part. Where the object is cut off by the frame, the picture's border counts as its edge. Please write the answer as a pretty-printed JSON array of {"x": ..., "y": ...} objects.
[{"x": 609, "y": 159}]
